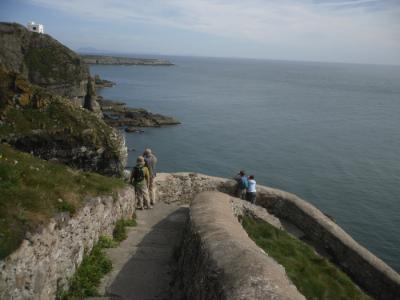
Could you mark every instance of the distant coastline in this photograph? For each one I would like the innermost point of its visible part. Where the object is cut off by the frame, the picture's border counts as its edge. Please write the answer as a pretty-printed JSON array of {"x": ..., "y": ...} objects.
[{"x": 118, "y": 60}]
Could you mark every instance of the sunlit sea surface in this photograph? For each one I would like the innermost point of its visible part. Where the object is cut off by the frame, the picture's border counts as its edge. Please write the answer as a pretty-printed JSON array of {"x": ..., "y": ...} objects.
[{"x": 329, "y": 133}]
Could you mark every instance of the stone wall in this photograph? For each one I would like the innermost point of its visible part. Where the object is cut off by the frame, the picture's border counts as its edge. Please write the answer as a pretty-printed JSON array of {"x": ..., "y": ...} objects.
[
  {"x": 47, "y": 259},
  {"x": 219, "y": 261},
  {"x": 183, "y": 187},
  {"x": 367, "y": 270}
]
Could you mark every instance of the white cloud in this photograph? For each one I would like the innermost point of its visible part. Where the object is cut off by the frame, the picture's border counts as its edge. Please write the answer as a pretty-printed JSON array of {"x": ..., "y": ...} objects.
[{"x": 303, "y": 25}]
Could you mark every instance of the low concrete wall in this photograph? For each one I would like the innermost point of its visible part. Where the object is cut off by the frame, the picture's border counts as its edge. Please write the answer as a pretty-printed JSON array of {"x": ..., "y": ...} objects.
[
  {"x": 219, "y": 261},
  {"x": 367, "y": 270},
  {"x": 47, "y": 259}
]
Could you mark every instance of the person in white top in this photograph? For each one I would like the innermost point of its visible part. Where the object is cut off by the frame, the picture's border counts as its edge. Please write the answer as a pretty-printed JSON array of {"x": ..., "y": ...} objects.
[{"x": 251, "y": 190}]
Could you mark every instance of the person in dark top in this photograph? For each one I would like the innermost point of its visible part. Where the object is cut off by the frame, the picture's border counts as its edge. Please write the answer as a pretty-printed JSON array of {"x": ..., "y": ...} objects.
[{"x": 242, "y": 185}]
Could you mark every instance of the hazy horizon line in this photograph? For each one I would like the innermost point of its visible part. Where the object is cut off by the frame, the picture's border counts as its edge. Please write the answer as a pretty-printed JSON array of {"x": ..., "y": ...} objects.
[{"x": 135, "y": 55}]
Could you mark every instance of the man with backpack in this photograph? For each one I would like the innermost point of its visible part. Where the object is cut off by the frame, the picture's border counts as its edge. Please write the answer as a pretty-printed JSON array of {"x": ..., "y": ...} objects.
[
  {"x": 242, "y": 185},
  {"x": 140, "y": 178},
  {"x": 151, "y": 161}
]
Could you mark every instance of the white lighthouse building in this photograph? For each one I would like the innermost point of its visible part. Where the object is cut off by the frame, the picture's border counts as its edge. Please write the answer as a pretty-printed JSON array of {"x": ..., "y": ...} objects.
[{"x": 32, "y": 26}]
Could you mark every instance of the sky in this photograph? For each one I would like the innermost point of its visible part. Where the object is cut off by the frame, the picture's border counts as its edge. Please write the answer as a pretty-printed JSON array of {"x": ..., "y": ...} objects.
[{"x": 352, "y": 31}]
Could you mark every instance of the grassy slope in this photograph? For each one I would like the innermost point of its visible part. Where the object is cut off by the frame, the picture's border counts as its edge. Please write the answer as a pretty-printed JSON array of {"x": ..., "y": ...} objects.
[
  {"x": 58, "y": 117},
  {"x": 33, "y": 190},
  {"x": 314, "y": 276}
]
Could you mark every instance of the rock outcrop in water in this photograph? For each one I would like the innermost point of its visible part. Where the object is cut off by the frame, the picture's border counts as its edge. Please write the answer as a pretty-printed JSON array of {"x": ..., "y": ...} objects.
[
  {"x": 116, "y": 114},
  {"x": 117, "y": 60},
  {"x": 102, "y": 83}
]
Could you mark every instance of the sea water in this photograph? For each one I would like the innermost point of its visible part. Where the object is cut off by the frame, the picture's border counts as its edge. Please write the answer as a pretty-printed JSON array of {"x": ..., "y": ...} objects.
[{"x": 329, "y": 133}]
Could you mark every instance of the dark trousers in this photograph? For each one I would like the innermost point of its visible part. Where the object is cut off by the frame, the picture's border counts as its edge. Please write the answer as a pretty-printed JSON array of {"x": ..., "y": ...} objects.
[{"x": 251, "y": 197}]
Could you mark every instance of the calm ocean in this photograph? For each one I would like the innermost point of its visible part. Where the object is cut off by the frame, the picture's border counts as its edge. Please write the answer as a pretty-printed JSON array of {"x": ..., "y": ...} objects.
[{"x": 329, "y": 133}]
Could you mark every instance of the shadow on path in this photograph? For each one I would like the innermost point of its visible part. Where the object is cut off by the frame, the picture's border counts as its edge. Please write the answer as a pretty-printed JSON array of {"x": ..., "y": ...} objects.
[{"x": 149, "y": 272}]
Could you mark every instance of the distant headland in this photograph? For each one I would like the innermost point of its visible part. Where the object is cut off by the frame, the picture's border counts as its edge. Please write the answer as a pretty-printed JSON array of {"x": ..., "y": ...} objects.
[{"x": 117, "y": 60}]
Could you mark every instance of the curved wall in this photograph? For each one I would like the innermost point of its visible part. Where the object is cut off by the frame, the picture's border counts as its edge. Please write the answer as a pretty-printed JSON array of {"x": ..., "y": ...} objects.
[
  {"x": 219, "y": 261},
  {"x": 367, "y": 270}
]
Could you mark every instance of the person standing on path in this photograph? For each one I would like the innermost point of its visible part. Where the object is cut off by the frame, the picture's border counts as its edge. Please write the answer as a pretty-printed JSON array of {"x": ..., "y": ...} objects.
[
  {"x": 151, "y": 161},
  {"x": 251, "y": 191},
  {"x": 242, "y": 185},
  {"x": 140, "y": 178}
]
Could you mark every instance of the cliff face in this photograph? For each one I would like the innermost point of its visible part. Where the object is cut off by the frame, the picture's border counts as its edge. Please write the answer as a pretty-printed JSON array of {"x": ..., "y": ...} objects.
[
  {"x": 43, "y": 87},
  {"x": 35, "y": 120},
  {"x": 43, "y": 61}
]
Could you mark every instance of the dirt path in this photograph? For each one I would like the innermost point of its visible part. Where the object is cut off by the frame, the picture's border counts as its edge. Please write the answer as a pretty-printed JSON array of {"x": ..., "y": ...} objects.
[{"x": 143, "y": 264}]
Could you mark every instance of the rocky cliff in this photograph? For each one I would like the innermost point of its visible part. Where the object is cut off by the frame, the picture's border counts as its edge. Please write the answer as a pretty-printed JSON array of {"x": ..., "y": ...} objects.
[
  {"x": 32, "y": 119},
  {"x": 43, "y": 61}
]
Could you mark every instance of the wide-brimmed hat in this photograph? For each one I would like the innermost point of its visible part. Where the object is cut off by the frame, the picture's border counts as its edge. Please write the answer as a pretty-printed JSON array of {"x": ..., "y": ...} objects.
[{"x": 140, "y": 160}]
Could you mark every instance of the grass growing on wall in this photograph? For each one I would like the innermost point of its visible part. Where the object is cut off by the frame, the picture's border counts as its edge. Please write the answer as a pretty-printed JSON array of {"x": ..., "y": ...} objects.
[
  {"x": 314, "y": 276},
  {"x": 95, "y": 265},
  {"x": 119, "y": 233},
  {"x": 86, "y": 279},
  {"x": 33, "y": 190}
]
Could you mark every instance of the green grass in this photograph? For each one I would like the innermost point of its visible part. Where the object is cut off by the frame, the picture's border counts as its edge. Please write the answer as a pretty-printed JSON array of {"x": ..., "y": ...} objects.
[
  {"x": 107, "y": 242},
  {"x": 34, "y": 190},
  {"x": 314, "y": 276},
  {"x": 53, "y": 62},
  {"x": 95, "y": 265},
  {"x": 87, "y": 277},
  {"x": 119, "y": 233},
  {"x": 58, "y": 117}
]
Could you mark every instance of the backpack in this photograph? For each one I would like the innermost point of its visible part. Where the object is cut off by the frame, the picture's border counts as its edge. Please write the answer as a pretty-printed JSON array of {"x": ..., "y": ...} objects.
[{"x": 138, "y": 174}]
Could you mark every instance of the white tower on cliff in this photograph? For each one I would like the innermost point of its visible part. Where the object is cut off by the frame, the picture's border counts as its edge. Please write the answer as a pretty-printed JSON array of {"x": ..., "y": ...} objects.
[{"x": 32, "y": 26}]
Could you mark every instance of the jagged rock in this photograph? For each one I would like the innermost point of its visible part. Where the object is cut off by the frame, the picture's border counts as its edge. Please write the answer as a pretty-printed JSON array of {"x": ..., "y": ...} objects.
[
  {"x": 51, "y": 127},
  {"x": 90, "y": 98},
  {"x": 116, "y": 114},
  {"x": 133, "y": 129},
  {"x": 102, "y": 83}
]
